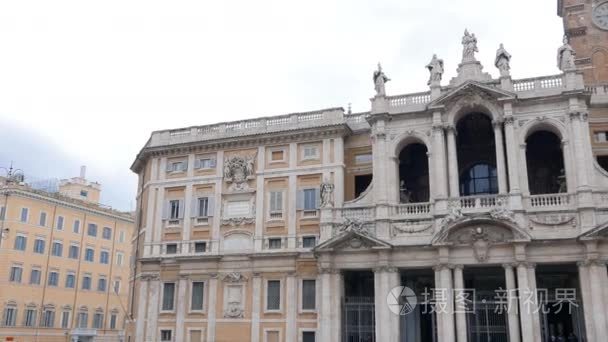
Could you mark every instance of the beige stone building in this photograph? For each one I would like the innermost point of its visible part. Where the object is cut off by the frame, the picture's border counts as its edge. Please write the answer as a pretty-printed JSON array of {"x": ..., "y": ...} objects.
[
  {"x": 64, "y": 264},
  {"x": 480, "y": 195}
]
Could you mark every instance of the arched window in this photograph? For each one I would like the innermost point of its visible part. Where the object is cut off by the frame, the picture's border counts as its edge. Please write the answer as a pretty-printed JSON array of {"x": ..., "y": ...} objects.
[
  {"x": 480, "y": 179},
  {"x": 413, "y": 174},
  {"x": 475, "y": 147},
  {"x": 545, "y": 161}
]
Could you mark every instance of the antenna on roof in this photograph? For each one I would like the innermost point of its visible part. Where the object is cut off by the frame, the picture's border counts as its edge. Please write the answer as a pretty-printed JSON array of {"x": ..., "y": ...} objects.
[{"x": 350, "y": 110}]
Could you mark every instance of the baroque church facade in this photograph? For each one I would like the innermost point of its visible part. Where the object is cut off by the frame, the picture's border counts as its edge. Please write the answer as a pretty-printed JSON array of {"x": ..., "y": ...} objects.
[{"x": 472, "y": 211}]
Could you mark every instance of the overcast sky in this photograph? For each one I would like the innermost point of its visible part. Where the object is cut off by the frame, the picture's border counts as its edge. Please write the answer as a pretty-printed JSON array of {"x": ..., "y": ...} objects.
[{"x": 85, "y": 82}]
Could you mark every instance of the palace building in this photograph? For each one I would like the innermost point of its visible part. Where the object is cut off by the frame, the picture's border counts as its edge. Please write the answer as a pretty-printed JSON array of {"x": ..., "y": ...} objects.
[
  {"x": 471, "y": 211},
  {"x": 64, "y": 263}
]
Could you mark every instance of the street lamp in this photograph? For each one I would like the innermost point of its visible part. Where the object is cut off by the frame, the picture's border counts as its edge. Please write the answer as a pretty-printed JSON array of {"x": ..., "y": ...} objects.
[{"x": 13, "y": 175}]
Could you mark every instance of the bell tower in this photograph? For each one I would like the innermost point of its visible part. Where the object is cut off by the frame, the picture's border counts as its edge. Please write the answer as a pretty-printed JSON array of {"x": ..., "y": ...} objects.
[{"x": 586, "y": 25}]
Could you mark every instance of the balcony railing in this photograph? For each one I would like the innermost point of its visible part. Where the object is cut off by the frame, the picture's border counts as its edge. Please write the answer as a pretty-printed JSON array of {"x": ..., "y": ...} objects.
[
  {"x": 538, "y": 83},
  {"x": 411, "y": 209},
  {"x": 359, "y": 213},
  {"x": 472, "y": 203},
  {"x": 549, "y": 200},
  {"x": 182, "y": 248},
  {"x": 408, "y": 102}
]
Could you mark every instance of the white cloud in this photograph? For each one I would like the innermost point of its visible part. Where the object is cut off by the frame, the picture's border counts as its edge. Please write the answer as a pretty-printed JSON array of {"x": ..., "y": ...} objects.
[{"x": 97, "y": 77}]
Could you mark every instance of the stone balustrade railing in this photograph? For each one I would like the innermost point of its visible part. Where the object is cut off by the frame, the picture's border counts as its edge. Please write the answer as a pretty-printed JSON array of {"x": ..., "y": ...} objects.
[
  {"x": 538, "y": 84},
  {"x": 359, "y": 213},
  {"x": 473, "y": 203},
  {"x": 408, "y": 102},
  {"x": 549, "y": 200},
  {"x": 357, "y": 121},
  {"x": 412, "y": 209},
  {"x": 183, "y": 248}
]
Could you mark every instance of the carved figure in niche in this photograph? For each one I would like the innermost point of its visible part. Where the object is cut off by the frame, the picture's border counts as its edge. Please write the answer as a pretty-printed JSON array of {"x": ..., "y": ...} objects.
[
  {"x": 469, "y": 46},
  {"x": 380, "y": 80},
  {"x": 238, "y": 170},
  {"x": 435, "y": 67},
  {"x": 565, "y": 56},
  {"x": 327, "y": 195},
  {"x": 404, "y": 194},
  {"x": 502, "y": 61}
]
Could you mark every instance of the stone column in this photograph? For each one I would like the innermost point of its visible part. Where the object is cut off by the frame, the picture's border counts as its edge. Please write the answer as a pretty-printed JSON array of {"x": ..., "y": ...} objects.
[
  {"x": 500, "y": 158},
  {"x": 182, "y": 305},
  {"x": 599, "y": 310},
  {"x": 512, "y": 151},
  {"x": 324, "y": 316},
  {"x": 291, "y": 308},
  {"x": 460, "y": 310},
  {"x": 445, "y": 304},
  {"x": 536, "y": 311},
  {"x": 579, "y": 151},
  {"x": 141, "y": 309},
  {"x": 211, "y": 312},
  {"x": 379, "y": 161},
  {"x": 583, "y": 274},
  {"x": 512, "y": 317},
  {"x": 336, "y": 305},
  {"x": 439, "y": 315},
  {"x": 525, "y": 307},
  {"x": 256, "y": 306},
  {"x": 387, "y": 323},
  {"x": 339, "y": 172},
  {"x": 439, "y": 155},
  {"x": 453, "y": 163},
  {"x": 394, "y": 280}
]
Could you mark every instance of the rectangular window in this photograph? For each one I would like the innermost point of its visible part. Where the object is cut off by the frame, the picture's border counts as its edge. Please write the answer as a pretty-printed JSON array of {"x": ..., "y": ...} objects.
[
  {"x": 200, "y": 247},
  {"x": 309, "y": 298},
  {"x": 76, "y": 226},
  {"x": 20, "y": 242},
  {"x": 35, "y": 277},
  {"x": 196, "y": 303},
  {"x": 84, "y": 193},
  {"x": 59, "y": 222},
  {"x": 98, "y": 321},
  {"x": 165, "y": 336},
  {"x": 171, "y": 248},
  {"x": 174, "y": 213},
  {"x": 42, "y": 219},
  {"x": 86, "y": 282},
  {"x": 48, "y": 319},
  {"x": 15, "y": 275},
  {"x": 177, "y": 166},
  {"x": 57, "y": 249},
  {"x": 309, "y": 241},
  {"x": 119, "y": 258},
  {"x": 113, "y": 318},
  {"x": 101, "y": 284},
  {"x": 70, "y": 281},
  {"x": 204, "y": 163},
  {"x": 10, "y": 316},
  {"x": 89, "y": 254},
  {"x": 104, "y": 257},
  {"x": 277, "y": 155},
  {"x": 107, "y": 233},
  {"x": 92, "y": 229},
  {"x": 168, "y": 296},
  {"x": 276, "y": 204},
  {"x": 601, "y": 136},
  {"x": 39, "y": 246},
  {"x": 73, "y": 254},
  {"x": 65, "y": 319},
  {"x": 83, "y": 318},
  {"x": 2, "y": 213},
  {"x": 308, "y": 336},
  {"x": 273, "y": 295},
  {"x": 203, "y": 207},
  {"x": 53, "y": 278},
  {"x": 121, "y": 236},
  {"x": 116, "y": 286},
  {"x": 30, "y": 317},
  {"x": 310, "y": 152},
  {"x": 274, "y": 243},
  {"x": 24, "y": 214},
  {"x": 310, "y": 199}
]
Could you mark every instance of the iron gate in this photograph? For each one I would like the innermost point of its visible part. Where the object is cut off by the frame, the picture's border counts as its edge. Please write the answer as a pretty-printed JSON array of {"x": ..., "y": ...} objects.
[
  {"x": 487, "y": 323},
  {"x": 359, "y": 319}
]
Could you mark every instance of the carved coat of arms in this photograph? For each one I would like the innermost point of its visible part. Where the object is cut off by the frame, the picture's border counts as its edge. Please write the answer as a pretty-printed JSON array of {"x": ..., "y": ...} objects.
[{"x": 238, "y": 170}]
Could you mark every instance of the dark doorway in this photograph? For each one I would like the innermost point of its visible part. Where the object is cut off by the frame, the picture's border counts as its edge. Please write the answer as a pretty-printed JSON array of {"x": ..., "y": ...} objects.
[
  {"x": 358, "y": 307},
  {"x": 476, "y": 155},
  {"x": 545, "y": 162},
  {"x": 603, "y": 161},
  {"x": 362, "y": 182},
  {"x": 413, "y": 174},
  {"x": 561, "y": 311},
  {"x": 419, "y": 325}
]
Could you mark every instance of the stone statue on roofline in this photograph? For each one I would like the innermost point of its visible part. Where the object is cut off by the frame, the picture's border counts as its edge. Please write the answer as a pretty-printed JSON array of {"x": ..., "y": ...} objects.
[
  {"x": 502, "y": 61},
  {"x": 380, "y": 80},
  {"x": 565, "y": 56},
  {"x": 469, "y": 46},
  {"x": 435, "y": 67}
]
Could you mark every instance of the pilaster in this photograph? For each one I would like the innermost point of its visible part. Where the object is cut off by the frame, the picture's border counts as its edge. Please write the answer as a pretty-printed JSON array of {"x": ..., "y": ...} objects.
[
  {"x": 461, "y": 319},
  {"x": 584, "y": 280},
  {"x": 211, "y": 312},
  {"x": 180, "y": 312},
  {"x": 141, "y": 309},
  {"x": 153, "y": 306},
  {"x": 512, "y": 316},
  {"x": 187, "y": 218},
  {"x": 500, "y": 158},
  {"x": 258, "y": 239},
  {"x": 256, "y": 307},
  {"x": 453, "y": 162},
  {"x": 291, "y": 307}
]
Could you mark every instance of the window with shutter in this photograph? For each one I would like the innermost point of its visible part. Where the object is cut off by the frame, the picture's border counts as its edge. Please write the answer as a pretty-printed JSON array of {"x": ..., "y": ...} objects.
[
  {"x": 196, "y": 302},
  {"x": 174, "y": 209},
  {"x": 276, "y": 204},
  {"x": 30, "y": 317},
  {"x": 42, "y": 219},
  {"x": 10, "y": 316},
  {"x": 35, "y": 277},
  {"x": 309, "y": 241},
  {"x": 24, "y": 214},
  {"x": 168, "y": 296},
  {"x": 203, "y": 207},
  {"x": 310, "y": 199},
  {"x": 60, "y": 223},
  {"x": 308, "y": 336},
  {"x": 274, "y": 243},
  {"x": 65, "y": 319},
  {"x": 273, "y": 295}
]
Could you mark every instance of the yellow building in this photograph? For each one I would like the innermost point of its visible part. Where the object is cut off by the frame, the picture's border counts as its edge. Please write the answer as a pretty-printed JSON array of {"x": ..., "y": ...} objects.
[{"x": 64, "y": 264}]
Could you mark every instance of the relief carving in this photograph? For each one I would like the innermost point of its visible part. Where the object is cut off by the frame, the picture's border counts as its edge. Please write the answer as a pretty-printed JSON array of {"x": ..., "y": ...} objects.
[
  {"x": 481, "y": 239},
  {"x": 238, "y": 170},
  {"x": 353, "y": 225}
]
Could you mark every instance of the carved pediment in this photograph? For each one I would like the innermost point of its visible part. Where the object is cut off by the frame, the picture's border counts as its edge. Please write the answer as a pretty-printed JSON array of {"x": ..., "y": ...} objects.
[
  {"x": 599, "y": 232},
  {"x": 470, "y": 229},
  {"x": 352, "y": 240},
  {"x": 472, "y": 89}
]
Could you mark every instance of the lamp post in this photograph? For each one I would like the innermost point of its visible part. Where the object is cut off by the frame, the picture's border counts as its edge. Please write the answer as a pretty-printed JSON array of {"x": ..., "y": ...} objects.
[{"x": 12, "y": 175}]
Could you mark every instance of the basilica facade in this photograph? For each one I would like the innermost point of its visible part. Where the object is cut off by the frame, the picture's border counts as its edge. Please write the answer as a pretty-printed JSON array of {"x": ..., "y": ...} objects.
[{"x": 471, "y": 211}]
